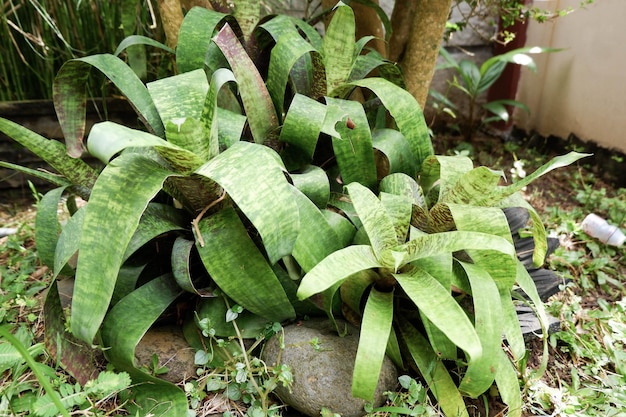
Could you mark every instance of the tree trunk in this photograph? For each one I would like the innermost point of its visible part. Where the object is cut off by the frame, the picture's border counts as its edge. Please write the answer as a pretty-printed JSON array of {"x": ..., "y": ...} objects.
[{"x": 422, "y": 47}]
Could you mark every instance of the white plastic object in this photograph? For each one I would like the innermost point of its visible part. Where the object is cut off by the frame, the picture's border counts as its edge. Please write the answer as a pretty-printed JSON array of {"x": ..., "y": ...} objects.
[{"x": 596, "y": 226}]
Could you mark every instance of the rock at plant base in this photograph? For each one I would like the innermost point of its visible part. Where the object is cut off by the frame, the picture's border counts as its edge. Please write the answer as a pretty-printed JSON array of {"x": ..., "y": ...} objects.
[
  {"x": 172, "y": 350},
  {"x": 322, "y": 363}
]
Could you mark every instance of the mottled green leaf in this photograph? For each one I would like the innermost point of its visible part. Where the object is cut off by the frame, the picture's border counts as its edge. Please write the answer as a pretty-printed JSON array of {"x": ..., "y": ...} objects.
[
  {"x": 238, "y": 267},
  {"x": 117, "y": 202},
  {"x": 254, "y": 180},
  {"x": 69, "y": 93},
  {"x": 375, "y": 330}
]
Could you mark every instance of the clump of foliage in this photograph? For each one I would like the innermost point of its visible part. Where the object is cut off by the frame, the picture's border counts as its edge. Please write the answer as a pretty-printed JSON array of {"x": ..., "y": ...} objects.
[
  {"x": 232, "y": 202},
  {"x": 473, "y": 82}
]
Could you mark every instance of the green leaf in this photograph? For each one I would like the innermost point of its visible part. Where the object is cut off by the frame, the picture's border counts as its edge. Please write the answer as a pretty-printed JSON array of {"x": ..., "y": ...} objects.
[
  {"x": 107, "y": 383},
  {"x": 247, "y": 14},
  {"x": 181, "y": 260},
  {"x": 375, "y": 330},
  {"x": 470, "y": 74},
  {"x": 433, "y": 370},
  {"x": 403, "y": 185},
  {"x": 289, "y": 48},
  {"x": 312, "y": 181},
  {"x": 47, "y": 226},
  {"x": 140, "y": 40},
  {"x": 239, "y": 269},
  {"x": 34, "y": 366},
  {"x": 109, "y": 224},
  {"x": 263, "y": 200},
  {"x": 480, "y": 373},
  {"x": 302, "y": 126},
  {"x": 338, "y": 47},
  {"x": 195, "y": 36},
  {"x": 180, "y": 96},
  {"x": 68, "y": 242},
  {"x": 256, "y": 99},
  {"x": 53, "y": 179},
  {"x": 557, "y": 162},
  {"x": 69, "y": 93},
  {"x": 353, "y": 149},
  {"x": 436, "y": 303},
  {"x": 79, "y": 359},
  {"x": 52, "y": 152},
  {"x": 508, "y": 385},
  {"x": 448, "y": 170},
  {"x": 106, "y": 139},
  {"x": 407, "y": 114},
  {"x": 399, "y": 209},
  {"x": 215, "y": 310},
  {"x": 517, "y": 56},
  {"x": 441, "y": 243},
  {"x": 492, "y": 221},
  {"x": 122, "y": 330},
  {"x": 395, "y": 148},
  {"x": 156, "y": 220},
  {"x": 376, "y": 221},
  {"x": 317, "y": 239},
  {"x": 335, "y": 268}
]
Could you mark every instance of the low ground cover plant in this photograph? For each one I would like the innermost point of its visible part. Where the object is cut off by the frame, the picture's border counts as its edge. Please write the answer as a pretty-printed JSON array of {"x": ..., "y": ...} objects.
[{"x": 257, "y": 182}]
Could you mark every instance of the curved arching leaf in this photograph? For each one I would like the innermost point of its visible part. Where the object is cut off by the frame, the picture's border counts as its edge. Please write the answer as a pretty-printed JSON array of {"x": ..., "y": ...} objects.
[
  {"x": 69, "y": 93},
  {"x": 317, "y": 238},
  {"x": 256, "y": 100},
  {"x": 118, "y": 200},
  {"x": 194, "y": 38},
  {"x": 353, "y": 149},
  {"x": 238, "y": 267},
  {"x": 446, "y": 242},
  {"x": 122, "y": 330},
  {"x": 436, "y": 303},
  {"x": 69, "y": 239},
  {"x": 433, "y": 370},
  {"x": 76, "y": 171},
  {"x": 394, "y": 149},
  {"x": 47, "y": 226},
  {"x": 140, "y": 40},
  {"x": 301, "y": 129},
  {"x": 481, "y": 372},
  {"x": 338, "y": 47},
  {"x": 375, "y": 219},
  {"x": 289, "y": 48},
  {"x": 407, "y": 114},
  {"x": 254, "y": 180},
  {"x": 336, "y": 267}
]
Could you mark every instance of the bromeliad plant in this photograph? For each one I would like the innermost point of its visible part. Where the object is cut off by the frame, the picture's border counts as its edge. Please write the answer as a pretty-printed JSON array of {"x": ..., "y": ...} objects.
[
  {"x": 219, "y": 191},
  {"x": 431, "y": 271},
  {"x": 235, "y": 187}
]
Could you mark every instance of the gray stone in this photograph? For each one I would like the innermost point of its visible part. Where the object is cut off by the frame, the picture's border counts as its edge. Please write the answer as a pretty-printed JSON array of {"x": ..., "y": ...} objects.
[
  {"x": 322, "y": 364},
  {"x": 172, "y": 350}
]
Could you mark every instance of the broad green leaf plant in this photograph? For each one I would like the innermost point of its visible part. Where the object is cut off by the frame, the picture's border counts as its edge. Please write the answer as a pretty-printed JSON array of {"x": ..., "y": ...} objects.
[
  {"x": 234, "y": 188},
  {"x": 473, "y": 82}
]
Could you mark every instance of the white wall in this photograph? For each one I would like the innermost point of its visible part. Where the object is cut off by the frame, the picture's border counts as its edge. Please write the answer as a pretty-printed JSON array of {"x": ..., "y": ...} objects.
[{"x": 581, "y": 90}]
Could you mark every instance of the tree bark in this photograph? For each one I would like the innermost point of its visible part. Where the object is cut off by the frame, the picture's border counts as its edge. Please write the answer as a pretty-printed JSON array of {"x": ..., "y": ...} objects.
[{"x": 422, "y": 47}]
